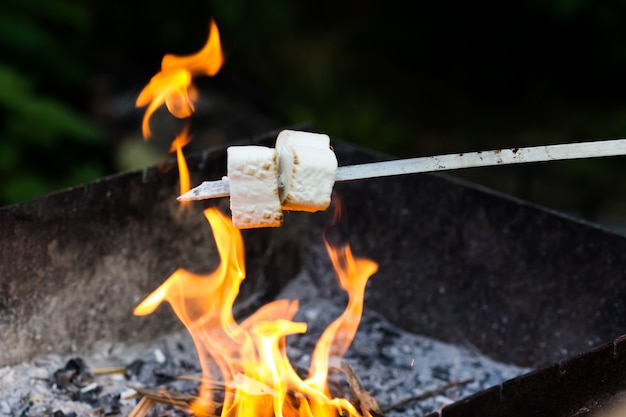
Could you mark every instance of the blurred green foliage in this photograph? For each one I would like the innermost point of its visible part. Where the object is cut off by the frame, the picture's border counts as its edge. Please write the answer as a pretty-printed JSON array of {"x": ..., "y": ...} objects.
[{"x": 47, "y": 141}]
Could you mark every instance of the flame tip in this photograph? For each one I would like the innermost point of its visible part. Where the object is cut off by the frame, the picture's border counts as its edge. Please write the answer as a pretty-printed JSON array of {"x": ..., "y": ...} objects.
[{"x": 172, "y": 85}]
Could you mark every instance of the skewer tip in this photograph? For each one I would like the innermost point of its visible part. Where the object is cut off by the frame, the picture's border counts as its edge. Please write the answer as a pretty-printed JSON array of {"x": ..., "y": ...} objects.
[{"x": 206, "y": 190}]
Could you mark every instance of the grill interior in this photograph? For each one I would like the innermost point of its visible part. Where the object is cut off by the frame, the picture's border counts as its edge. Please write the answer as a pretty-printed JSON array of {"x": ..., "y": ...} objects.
[{"x": 461, "y": 264}]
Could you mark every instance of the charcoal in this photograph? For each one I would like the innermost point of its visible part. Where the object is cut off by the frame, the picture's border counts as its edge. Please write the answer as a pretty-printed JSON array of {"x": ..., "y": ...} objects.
[
  {"x": 36, "y": 410},
  {"x": 75, "y": 374},
  {"x": 134, "y": 368},
  {"x": 168, "y": 372},
  {"x": 109, "y": 404},
  {"x": 60, "y": 413},
  {"x": 392, "y": 365},
  {"x": 89, "y": 394},
  {"x": 440, "y": 372}
]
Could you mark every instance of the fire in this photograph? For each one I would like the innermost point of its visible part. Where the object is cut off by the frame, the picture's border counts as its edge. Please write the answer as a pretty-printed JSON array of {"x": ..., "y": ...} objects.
[
  {"x": 183, "y": 171},
  {"x": 173, "y": 85},
  {"x": 251, "y": 355}
]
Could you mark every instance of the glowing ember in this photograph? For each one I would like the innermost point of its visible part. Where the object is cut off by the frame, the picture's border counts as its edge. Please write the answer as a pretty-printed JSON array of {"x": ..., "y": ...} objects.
[{"x": 251, "y": 356}]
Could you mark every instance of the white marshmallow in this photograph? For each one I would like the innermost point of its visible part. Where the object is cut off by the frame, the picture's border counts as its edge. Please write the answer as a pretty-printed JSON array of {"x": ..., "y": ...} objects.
[
  {"x": 252, "y": 174},
  {"x": 307, "y": 168}
]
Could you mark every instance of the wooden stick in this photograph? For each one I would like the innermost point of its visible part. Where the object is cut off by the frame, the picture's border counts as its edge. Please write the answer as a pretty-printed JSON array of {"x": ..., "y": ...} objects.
[
  {"x": 108, "y": 371},
  {"x": 142, "y": 408},
  {"x": 162, "y": 396},
  {"x": 594, "y": 149},
  {"x": 359, "y": 396}
]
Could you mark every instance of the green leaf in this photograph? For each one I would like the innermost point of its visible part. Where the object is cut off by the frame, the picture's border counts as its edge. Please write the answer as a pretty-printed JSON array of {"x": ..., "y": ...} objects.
[
  {"x": 46, "y": 121},
  {"x": 41, "y": 120}
]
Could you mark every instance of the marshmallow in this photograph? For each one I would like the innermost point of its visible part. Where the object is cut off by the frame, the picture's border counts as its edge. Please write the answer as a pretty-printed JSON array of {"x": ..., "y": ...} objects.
[
  {"x": 252, "y": 174},
  {"x": 307, "y": 168}
]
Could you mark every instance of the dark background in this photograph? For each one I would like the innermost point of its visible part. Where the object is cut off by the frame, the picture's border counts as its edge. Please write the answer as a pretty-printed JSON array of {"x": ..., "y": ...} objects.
[{"x": 405, "y": 78}]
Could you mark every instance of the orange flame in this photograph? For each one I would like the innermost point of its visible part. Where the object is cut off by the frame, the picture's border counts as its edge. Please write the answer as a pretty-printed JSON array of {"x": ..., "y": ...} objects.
[
  {"x": 173, "y": 86},
  {"x": 336, "y": 339},
  {"x": 183, "y": 171},
  {"x": 251, "y": 356}
]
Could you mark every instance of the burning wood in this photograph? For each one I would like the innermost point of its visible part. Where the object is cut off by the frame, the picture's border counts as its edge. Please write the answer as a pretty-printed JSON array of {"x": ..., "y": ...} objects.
[
  {"x": 30, "y": 389},
  {"x": 142, "y": 408},
  {"x": 359, "y": 395},
  {"x": 151, "y": 396}
]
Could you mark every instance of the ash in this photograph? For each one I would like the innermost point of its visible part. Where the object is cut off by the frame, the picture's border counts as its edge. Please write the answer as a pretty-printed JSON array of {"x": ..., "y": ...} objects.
[{"x": 392, "y": 365}]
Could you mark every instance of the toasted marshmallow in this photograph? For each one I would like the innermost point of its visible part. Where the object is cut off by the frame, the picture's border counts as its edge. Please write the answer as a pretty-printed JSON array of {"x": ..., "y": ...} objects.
[
  {"x": 307, "y": 168},
  {"x": 252, "y": 174}
]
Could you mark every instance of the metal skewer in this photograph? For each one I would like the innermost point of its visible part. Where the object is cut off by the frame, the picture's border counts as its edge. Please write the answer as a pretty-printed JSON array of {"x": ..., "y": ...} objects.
[{"x": 594, "y": 149}]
